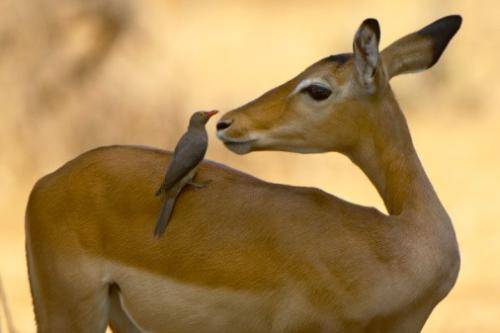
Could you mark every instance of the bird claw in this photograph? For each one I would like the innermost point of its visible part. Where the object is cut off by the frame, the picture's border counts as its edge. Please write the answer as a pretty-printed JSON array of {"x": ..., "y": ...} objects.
[
  {"x": 200, "y": 184},
  {"x": 160, "y": 191}
]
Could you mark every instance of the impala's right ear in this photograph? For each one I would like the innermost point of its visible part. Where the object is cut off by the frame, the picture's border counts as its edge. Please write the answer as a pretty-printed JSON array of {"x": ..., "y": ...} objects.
[
  {"x": 422, "y": 49},
  {"x": 366, "y": 55}
]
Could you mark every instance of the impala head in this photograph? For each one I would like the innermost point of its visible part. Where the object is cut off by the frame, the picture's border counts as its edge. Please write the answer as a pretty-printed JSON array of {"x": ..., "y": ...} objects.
[{"x": 337, "y": 100}]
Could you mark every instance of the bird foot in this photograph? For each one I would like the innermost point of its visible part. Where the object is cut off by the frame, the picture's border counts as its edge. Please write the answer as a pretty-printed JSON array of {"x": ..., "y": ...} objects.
[
  {"x": 160, "y": 191},
  {"x": 199, "y": 184}
]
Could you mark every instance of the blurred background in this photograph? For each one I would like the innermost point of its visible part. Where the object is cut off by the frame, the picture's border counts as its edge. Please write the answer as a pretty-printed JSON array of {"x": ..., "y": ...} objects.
[{"x": 76, "y": 74}]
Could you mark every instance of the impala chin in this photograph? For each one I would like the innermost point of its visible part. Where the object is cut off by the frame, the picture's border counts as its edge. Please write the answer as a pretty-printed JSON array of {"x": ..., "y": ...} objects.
[{"x": 239, "y": 147}]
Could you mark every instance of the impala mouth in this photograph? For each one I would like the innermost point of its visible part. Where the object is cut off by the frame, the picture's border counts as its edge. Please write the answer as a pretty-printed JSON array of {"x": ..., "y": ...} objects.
[{"x": 237, "y": 146}]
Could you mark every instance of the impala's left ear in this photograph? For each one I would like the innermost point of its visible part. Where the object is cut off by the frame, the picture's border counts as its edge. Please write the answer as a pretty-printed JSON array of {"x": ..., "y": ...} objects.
[
  {"x": 422, "y": 49},
  {"x": 366, "y": 56}
]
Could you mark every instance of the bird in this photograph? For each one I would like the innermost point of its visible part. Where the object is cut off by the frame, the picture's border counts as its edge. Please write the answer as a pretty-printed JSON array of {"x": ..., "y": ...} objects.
[{"x": 188, "y": 153}]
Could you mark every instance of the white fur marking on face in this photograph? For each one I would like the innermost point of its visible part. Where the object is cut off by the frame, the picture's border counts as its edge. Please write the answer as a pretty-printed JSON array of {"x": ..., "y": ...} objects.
[{"x": 307, "y": 82}]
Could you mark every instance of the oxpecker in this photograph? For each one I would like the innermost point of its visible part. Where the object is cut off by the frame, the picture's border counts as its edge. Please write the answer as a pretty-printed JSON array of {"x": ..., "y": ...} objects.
[{"x": 188, "y": 154}]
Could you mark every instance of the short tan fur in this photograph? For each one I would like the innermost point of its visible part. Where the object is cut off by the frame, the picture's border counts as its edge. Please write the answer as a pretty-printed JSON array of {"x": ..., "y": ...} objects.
[{"x": 244, "y": 255}]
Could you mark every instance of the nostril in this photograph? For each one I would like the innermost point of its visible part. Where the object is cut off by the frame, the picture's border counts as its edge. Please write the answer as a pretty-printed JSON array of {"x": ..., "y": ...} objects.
[{"x": 223, "y": 124}]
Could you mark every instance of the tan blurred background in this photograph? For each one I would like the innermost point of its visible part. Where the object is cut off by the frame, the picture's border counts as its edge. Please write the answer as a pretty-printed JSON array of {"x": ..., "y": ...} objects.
[{"x": 77, "y": 74}]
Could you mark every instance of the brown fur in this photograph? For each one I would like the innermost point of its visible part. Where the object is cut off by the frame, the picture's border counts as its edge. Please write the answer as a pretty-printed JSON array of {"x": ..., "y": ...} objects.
[{"x": 296, "y": 259}]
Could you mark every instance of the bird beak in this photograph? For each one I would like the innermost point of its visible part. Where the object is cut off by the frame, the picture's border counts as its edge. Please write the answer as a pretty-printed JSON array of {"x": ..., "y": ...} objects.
[{"x": 211, "y": 113}]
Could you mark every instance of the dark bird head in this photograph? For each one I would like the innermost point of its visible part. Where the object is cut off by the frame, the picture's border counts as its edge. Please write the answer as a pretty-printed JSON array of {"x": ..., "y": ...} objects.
[{"x": 200, "y": 118}]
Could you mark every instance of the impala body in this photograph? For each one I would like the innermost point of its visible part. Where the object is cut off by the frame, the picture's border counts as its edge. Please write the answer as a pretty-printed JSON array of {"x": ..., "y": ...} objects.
[{"x": 244, "y": 255}]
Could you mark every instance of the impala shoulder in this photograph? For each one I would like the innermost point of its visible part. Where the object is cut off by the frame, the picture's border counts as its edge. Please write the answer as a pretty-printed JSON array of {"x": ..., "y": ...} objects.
[
  {"x": 313, "y": 204},
  {"x": 332, "y": 203}
]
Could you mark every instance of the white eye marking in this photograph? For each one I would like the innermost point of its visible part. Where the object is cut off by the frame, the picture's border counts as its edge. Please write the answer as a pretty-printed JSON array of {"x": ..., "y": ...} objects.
[{"x": 307, "y": 82}]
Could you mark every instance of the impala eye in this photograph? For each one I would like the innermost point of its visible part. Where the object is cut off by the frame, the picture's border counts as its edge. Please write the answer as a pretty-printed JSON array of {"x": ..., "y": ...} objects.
[{"x": 317, "y": 92}]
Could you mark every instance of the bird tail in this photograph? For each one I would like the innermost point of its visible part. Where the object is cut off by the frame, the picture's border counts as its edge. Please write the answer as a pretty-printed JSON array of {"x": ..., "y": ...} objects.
[{"x": 165, "y": 214}]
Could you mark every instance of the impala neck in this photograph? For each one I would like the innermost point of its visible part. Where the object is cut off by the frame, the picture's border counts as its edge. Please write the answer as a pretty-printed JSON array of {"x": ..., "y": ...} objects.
[{"x": 387, "y": 156}]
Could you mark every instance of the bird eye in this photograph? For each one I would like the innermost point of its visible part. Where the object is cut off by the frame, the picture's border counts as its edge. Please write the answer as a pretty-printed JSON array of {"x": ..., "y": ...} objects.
[{"x": 317, "y": 92}]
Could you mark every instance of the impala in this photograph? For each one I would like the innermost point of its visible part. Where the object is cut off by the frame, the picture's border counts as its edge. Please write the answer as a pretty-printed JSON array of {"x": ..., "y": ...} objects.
[{"x": 244, "y": 255}]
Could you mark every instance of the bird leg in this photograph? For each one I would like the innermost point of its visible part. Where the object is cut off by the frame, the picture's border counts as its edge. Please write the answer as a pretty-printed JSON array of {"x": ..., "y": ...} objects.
[{"x": 161, "y": 190}]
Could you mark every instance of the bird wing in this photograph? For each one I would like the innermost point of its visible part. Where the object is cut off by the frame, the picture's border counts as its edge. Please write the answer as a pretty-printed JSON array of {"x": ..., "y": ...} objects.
[{"x": 188, "y": 153}]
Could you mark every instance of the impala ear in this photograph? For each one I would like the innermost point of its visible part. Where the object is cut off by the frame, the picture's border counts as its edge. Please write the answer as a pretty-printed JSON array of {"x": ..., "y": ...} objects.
[
  {"x": 366, "y": 56},
  {"x": 422, "y": 49}
]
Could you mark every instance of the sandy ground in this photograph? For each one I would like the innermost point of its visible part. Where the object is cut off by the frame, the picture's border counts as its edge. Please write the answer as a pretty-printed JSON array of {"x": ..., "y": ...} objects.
[{"x": 83, "y": 75}]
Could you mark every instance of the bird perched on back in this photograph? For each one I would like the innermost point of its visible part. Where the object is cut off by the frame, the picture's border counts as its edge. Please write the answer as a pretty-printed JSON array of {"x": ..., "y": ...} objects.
[{"x": 188, "y": 154}]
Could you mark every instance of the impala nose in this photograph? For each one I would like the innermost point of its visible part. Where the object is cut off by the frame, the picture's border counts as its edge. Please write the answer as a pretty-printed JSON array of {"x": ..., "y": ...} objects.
[{"x": 223, "y": 124}]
